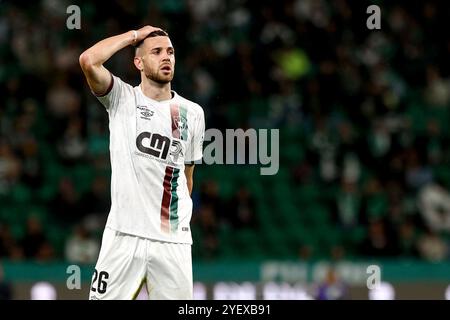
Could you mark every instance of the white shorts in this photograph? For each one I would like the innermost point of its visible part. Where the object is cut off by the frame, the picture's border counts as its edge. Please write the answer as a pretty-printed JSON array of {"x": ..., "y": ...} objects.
[{"x": 127, "y": 262}]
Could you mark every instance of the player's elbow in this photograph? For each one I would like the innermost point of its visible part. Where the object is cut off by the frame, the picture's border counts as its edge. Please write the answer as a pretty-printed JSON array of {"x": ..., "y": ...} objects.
[{"x": 86, "y": 60}]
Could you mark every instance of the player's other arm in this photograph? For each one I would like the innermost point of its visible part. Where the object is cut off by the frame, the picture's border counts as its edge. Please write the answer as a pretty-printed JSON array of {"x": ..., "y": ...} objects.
[
  {"x": 195, "y": 149},
  {"x": 91, "y": 60},
  {"x": 189, "y": 173}
]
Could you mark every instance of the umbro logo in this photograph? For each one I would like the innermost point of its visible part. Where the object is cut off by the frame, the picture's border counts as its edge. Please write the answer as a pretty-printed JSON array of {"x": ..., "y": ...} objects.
[{"x": 145, "y": 113}]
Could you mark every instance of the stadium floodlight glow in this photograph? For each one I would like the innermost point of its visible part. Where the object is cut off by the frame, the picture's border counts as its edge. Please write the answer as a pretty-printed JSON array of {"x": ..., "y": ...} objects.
[
  {"x": 199, "y": 291},
  {"x": 384, "y": 291},
  {"x": 447, "y": 293},
  {"x": 234, "y": 291},
  {"x": 284, "y": 291},
  {"x": 43, "y": 291}
]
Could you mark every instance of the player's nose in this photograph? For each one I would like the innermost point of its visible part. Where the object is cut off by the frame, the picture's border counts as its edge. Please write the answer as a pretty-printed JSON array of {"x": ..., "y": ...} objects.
[{"x": 165, "y": 60}]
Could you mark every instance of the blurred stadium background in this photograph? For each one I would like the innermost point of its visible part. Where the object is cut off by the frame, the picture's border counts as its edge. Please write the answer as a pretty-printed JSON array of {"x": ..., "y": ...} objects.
[{"x": 364, "y": 173}]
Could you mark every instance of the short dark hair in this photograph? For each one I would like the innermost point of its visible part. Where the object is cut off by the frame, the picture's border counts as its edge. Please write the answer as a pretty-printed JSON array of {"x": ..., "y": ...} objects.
[{"x": 156, "y": 33}]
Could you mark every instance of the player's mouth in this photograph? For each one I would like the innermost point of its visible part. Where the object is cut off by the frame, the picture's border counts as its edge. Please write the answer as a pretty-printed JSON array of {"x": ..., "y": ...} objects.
[{"x": 166, "y": 68}]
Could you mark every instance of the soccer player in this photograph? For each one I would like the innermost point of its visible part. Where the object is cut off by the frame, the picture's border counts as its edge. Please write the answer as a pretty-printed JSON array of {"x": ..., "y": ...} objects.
[{"x": 155, "y": 137}]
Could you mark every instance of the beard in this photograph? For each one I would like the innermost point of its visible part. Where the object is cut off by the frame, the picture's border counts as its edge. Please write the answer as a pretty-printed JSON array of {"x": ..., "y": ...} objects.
[{"x": 158, "y": 77}]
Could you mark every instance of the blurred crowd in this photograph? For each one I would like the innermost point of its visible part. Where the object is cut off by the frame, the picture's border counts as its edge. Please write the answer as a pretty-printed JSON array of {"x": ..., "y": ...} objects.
[{"x": 362, "y": 116}]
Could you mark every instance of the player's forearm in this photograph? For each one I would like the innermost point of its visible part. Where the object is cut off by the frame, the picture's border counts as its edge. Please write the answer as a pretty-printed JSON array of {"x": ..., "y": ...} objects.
[
  {"x": 190, "y": 185},
  {"x": 189, "y": 173},
  {"x": 100, "y": 52}
]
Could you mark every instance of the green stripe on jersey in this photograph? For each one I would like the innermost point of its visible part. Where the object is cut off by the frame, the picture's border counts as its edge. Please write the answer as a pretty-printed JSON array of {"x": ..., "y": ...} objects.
[
  {"x": 183, "y": 119},
  {"x": 174, "y": 200}
]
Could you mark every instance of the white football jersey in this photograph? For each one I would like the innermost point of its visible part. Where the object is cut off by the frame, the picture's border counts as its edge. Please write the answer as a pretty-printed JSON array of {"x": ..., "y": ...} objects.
[{"x": 150, "y": 141}]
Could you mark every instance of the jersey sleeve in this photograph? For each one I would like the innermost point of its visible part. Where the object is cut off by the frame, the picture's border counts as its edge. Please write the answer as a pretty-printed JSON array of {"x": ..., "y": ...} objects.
[
  {"x": 195, "y": 148},
  {"x": 111, "y": 99}
]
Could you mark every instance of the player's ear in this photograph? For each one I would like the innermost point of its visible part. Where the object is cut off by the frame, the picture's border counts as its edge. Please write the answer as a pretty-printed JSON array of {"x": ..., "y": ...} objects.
[{"x": 138, "y": 63}]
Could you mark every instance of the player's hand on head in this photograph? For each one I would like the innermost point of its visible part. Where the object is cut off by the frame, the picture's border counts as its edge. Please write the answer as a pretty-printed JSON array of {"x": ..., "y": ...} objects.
[{"x": 143, "y": 32}]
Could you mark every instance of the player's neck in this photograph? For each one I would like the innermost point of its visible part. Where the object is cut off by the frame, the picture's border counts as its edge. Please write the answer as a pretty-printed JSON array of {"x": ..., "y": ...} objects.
[{"x": 156, "y": 91}]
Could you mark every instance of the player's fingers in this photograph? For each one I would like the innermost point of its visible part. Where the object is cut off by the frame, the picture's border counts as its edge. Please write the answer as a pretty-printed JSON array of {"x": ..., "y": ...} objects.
[
  {"x": 152, "y": 28},
  {"x": 143, "y": 32}
]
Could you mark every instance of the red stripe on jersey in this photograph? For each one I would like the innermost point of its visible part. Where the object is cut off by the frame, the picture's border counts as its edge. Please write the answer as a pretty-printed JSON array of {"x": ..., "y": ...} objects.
[
  {"x": 175, "y": 115},
  {"x": 167, "y": 184},
  {"x": 165, "y": 203}
]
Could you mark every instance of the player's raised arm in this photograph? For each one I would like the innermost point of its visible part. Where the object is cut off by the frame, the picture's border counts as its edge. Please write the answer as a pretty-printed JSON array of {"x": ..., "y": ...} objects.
[{"x": 91, "y": 60}]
